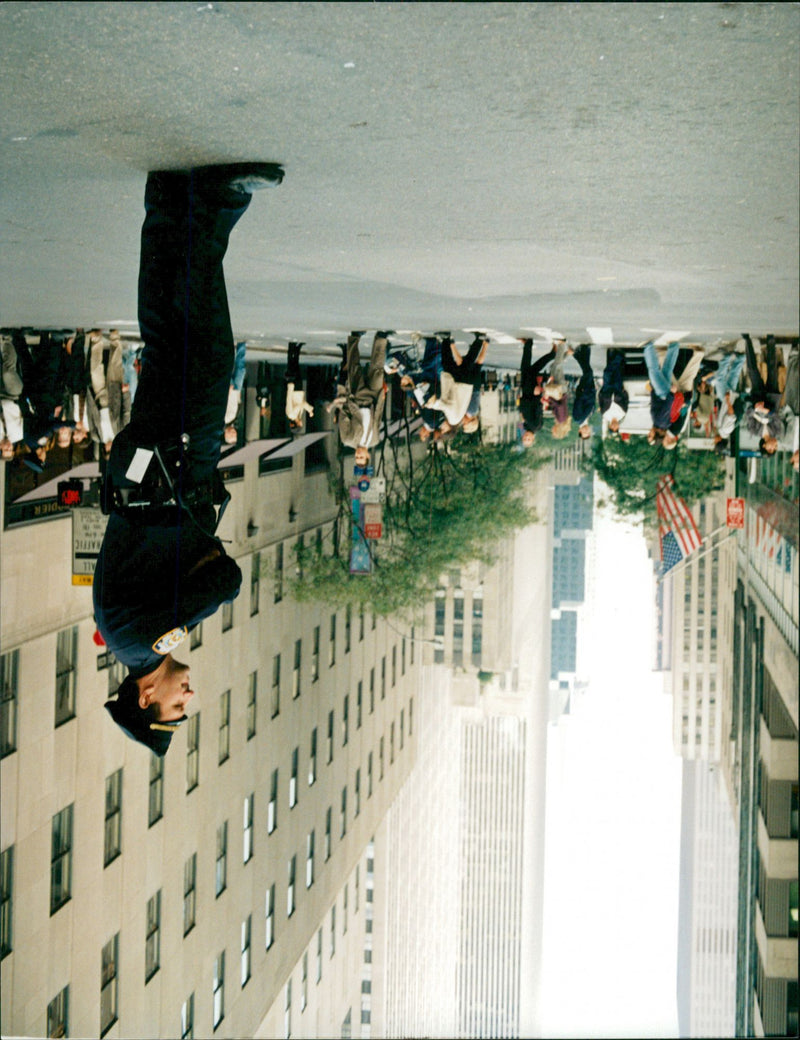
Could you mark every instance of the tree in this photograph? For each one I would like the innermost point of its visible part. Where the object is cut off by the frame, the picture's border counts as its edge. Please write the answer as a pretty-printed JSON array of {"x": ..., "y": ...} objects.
[
  {"x": 630, "y": 469},
  {"x": 442, "y": 511}
]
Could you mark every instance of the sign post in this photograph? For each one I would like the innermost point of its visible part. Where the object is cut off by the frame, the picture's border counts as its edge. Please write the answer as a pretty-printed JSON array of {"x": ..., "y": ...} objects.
[{"x": 88, "y": 528}]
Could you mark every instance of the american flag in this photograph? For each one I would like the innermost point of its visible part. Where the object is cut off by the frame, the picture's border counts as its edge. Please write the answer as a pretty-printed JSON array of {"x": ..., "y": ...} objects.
[{"x": 678, "y": 532}]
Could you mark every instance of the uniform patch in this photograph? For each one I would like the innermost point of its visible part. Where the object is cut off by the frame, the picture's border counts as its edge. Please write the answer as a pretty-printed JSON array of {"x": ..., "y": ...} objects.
[{"x": 167, "y": 643}]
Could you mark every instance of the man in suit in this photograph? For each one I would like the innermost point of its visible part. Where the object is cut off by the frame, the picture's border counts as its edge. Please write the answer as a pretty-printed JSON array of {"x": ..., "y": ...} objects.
[{"x": 361, "y": 396}]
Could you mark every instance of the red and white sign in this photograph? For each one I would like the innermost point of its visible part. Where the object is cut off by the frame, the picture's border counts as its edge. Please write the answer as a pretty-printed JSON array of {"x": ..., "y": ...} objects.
[
  {"x": 735, "y": 513},
  {"x": 373, "y": 520}
]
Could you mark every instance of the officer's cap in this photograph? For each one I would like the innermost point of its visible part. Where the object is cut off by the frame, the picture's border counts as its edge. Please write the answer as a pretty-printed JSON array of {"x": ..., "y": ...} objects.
[{"x": 140, "y": 724}]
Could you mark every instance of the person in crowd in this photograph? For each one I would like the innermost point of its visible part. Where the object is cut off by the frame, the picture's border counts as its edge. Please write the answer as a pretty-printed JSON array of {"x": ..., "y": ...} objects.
[
  {"x": 531, "y": 381},
  {"x": 460, "y": 377},
  {"x": 108, "y": 403},
  {"x": 360, "y": 398},
  {"x": 297, "y": 407},
  {"x": 660, "y": 388},
  {"x": 762, "y": 417},
  {"x": 613, "y": 397},
  {"x": 230, "y": 434},
  {"x": 728, "y": 404},
  {"x": 161, "y": 568},
  {"x": 11, "y": 424},
  {"x": 585, "y": 392}
]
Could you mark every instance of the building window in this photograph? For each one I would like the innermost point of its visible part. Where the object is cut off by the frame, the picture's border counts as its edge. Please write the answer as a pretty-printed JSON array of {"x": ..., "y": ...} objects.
[
  {"x": 189, "y": 893},
  {"x": 6, "y": 904},
  {"x": 9, "y": 685},
  {"x": 61, "y": 859},
  {"x": 312, "y": 758},
  {"x": 391, "y": 744},
  {"x": 345, "y": 719},
  {"x": 394, "y": 666},
  {"x": 403, "y": 657},
  {"x": 411, "y": 716},
  {"x": 218, "y": 989},
  {"x": 402, "y": 728},
  {"x": 290, "y": 883},
  {"x": 155, "y": 797},
  {"x": 279, "y": 572},
  {"x": 328, "y": 816},
  {"x": 359, "y": 703},
  {"x": 275, "y": 697},
  {"x": 298, "y": 658},
  {"x": 348, "y": 621},
  {"x": 333, "y": 930},
  {"x": 108, "y": 984},
  {"x": 272, "y": 808},
  {"x": 343, "y": 813},
  {"x": 357, "y": 798},
  {"x": 152, "y": 937},
  {"x": 380, "y": 759},
  {"x": 66, "y": 661},
  {"x": 196, "y": 637},
  {"x": 269, "y": 913},
  {"x": 310, "y": 859},
  {"x": 330, "y": 737},
  {"x": 252, "y": 698},
  {"x": 319, "y": 956},
  {"x": 293, "y": 778},
  {"x": 361, "y": 623},
  {"x": 383, "y": 678},
  {"x": 192, "y": 752},
  {"x": 347, "y": 1025},
  {"x": 371, "y": 691},
  {"x": 227, "y": 622},
  {"x": 369, "y": 775},
  {"x": 287, "y": 1010},
  {"x": 411, "y": 646},
  {"x": 224, "y": 742},
  {"x": 246, "y": 929},
  {"x": 255, "y": 581},
  {"x": 304, "y": 983},
  {"x": 315, "y": 655},
  {"x": 58, "y": 1014},
  {"x": 332, "y": 643},
  {"x": 221, "y": 868},
  {"x": 187, "y": 1018},
  {"x": 248, "y": 812},
  {"x": 112, "y": 840}
]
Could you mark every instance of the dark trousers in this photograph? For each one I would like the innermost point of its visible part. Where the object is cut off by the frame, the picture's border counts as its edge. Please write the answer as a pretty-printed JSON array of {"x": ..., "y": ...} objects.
[
  {"x": 613, "y": 386},
  {"x": 184, "y": 319},
  {"x": 293, "y": 372},
  {"x": 762, "y": 390},
  {"x": 469, "y": 371},
  {"x": 583, "y": 405}
]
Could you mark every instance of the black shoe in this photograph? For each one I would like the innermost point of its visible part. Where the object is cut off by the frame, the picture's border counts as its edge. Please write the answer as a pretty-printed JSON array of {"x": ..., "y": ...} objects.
[
  {"x": 385, "y": 333},
  {"x": 296, "y": 346},
  {"x": 358, "y": 332},
  {"x": 444, "y": 334},
  {"x": 242, "y": 178}
]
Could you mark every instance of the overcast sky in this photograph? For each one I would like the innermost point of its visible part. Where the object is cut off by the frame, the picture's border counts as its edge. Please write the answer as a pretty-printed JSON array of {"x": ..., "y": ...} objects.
[{"x": 613, "y": 821}]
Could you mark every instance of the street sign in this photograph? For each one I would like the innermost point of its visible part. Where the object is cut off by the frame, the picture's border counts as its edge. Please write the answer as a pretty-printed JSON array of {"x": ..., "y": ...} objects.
[
  {"x": 376, "y": 491},
  {"x": 373, "y": 520},
  {"x": 734, "y": 516},
  {"x": 88, "y": 528}
]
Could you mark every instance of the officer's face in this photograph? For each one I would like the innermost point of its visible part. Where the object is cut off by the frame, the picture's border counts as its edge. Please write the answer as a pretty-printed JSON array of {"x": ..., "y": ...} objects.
[{"x": 170, "y": 689}]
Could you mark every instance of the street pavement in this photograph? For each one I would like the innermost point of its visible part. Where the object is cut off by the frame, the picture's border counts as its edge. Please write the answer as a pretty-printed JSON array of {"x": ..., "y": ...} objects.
[{"x": 447, "y": 165}]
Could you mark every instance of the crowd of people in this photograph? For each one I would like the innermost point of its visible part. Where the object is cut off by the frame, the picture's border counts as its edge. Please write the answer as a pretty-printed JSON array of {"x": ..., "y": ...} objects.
[{"x": 77, "y": 387}]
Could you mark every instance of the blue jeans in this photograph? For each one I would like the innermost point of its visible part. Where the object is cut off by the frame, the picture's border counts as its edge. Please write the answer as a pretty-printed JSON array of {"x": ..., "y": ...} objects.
[
  {"x": 660, "y": 376},
  {"x": 727, "y": 375}
]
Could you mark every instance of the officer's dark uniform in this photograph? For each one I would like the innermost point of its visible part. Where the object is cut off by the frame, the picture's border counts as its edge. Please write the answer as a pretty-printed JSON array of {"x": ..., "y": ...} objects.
[{"x": 145, "y": 599}]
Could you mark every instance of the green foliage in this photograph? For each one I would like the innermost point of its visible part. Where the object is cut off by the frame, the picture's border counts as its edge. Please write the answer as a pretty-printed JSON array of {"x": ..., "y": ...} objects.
[
  {"x": 441, "y": 512},
  {"x": 631, "y": 470}
]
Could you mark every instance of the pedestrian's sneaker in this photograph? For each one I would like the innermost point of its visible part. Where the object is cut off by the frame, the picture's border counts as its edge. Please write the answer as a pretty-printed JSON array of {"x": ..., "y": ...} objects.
[{"x": 243, "y": 178}]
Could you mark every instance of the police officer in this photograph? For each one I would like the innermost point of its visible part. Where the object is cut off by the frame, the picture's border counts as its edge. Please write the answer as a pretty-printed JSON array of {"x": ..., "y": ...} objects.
[{"x": 161, "y": 568}]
